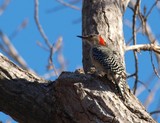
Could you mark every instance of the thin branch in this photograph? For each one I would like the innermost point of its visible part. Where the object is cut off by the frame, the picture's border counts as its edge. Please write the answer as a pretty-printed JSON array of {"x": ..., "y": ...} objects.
[
  {"x": 53, "y": 50},
  {"x": 145, "y": 47},
  {"x": 151, "y": 9},
  {"x": 154, "y": 68},
  {"x": 134, "y": 42},
  {"x": 19, "y": 28},
  {"x": 150, "y": 98},
  {"x": 149, "y": 90},
  {"x": 154, "y": 46},
  {"x": 139, "y": 29},
  {"x": 60, "y": 7},
  {"x": 157, "y": 108},
  {"x": 143, "y": 21},
  {"x": 147, "y": 30},
  {"x": 11, "y": 51},
  {"x": 68, "y": 5},
  {"x": 58, "y": 50},
  {"x": 154, "y": 112},
  {"x": 50, "y": 62},
  {"x": 141, "y": 89},
  {"x": 42, "y": 46},
  {"x": 4, "y": 6},
  {"x": 36, "y": 17},
  {"x": 133, "y": 75},
  {"x": 61, "y": 59},
  {"x": 4, "y": 49},
  {"x": 50, "y": 46}
]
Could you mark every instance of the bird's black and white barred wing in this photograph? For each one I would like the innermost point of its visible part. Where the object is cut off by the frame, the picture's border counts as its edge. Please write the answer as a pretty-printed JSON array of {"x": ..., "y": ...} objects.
[{"x": 107, "y": 59}]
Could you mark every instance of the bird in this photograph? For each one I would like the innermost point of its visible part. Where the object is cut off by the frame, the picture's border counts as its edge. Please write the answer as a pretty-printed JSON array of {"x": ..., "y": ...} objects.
[{"x": 106, "y": 60}]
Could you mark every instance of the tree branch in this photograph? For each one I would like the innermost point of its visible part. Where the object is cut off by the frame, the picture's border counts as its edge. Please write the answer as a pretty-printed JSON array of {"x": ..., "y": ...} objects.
[
  {"x": 145, "y": 47},
  {"x": 68, "y": 4},
  {"x": 73, "y": 97},
  {"x": 12, "y": 52}
]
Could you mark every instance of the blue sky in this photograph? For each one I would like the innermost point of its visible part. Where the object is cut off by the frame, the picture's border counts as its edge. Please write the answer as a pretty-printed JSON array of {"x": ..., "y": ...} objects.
[{"x": 62, "y": 23}]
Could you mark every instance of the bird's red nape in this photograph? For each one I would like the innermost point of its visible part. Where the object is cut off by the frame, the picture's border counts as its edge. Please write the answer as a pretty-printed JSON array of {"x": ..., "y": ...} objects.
[{"x": 102, "y": 41}]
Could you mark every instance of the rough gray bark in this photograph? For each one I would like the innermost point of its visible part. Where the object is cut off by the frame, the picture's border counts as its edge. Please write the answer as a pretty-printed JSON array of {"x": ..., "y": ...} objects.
[
  {"x": 103, "y": 17},
  {"x": 72, "y": 98}
]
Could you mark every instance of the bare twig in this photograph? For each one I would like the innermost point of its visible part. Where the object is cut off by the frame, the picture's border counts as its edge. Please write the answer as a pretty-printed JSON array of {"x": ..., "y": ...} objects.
[
  {"x": 154, "y": 112},
  {"x": 151, "y": 95},
  {"x": 139, "y": 29},
  {"x": 19, "y": 28},
  {"x": 57, "y": 48},
  {"x": 142, "y": 18},
  {"x": 53, "y": 50},
  {"x": 60, "y": 7},
  {"x": 145, "y": 29},
  {"x": 3, "y": 6},
  {"x": 61, "y": 59},
  {"x": 4, "y": 49},
  {"x": 131, "y": 75},
  {"x": 141, "y": 89},
  {"x": 50, "y": 62},
  {"x": 149, "y": 34},
  {"x": 11, "y": 51},
  {"x": 145, "y": 47},
  {"x": 51, "y": 47},
  {"x": 42, "y": 46},
  {"x": 134, "y": 42},
  {"x": 151, "y": 9},
  {"x": 36, "y": 17},
  {"x": 68, "y": 5},
  {"x": 154, "y": 68},
  {"x": 144, "y": 84},
  {"x": 157, "y": 108},
  {"x": 146, "y": 87}
]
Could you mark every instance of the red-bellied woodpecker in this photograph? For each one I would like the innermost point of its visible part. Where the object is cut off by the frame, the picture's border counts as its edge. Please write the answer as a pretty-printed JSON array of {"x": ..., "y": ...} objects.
[{"x": 106, "y": 60}]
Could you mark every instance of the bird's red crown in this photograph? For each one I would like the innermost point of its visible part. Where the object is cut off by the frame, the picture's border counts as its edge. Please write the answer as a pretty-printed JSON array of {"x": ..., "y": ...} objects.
[{"x": 102, "y": 41}]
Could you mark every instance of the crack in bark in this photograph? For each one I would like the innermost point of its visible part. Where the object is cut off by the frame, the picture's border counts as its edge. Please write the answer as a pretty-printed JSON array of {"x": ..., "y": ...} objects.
[
  {"x": 84, "y": 110},
  {"x": 138, "y": 113},
  {"x": 106, "y": 20},
  {"x": 5, "y": 73},
  {"x": 101, "y": 111}
]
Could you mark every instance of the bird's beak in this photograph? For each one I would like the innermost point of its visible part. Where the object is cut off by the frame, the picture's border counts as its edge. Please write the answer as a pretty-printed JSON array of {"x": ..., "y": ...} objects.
[
  {"x": 83, "y": 37},
  {"x": 79, "y": 36}
]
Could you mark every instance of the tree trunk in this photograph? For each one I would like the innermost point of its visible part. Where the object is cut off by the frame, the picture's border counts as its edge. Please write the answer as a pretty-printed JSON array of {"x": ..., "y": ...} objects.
[
  {"x": 103, "y": 17},
  {"x": 73, "y": 97}
]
